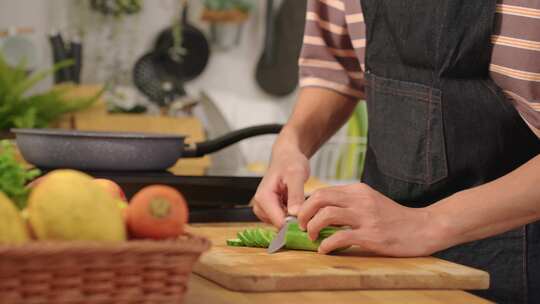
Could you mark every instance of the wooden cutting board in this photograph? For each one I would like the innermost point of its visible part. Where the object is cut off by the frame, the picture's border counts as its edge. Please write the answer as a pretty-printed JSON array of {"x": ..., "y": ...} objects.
[
  {"x": 203, "y": 291},
  {"x": 252, "y": 269}
]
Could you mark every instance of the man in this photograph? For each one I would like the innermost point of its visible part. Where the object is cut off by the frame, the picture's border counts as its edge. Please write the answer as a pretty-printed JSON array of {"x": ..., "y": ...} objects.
[{"x": 453, "y": 165}]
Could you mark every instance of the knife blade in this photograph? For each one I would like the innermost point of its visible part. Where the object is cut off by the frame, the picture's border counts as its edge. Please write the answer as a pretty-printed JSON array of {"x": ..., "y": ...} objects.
[{"x": 279, "y": 241}]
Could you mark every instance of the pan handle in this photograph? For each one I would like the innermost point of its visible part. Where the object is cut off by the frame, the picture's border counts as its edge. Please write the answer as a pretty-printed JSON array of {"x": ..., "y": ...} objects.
[{"x": 210, "y": 146}]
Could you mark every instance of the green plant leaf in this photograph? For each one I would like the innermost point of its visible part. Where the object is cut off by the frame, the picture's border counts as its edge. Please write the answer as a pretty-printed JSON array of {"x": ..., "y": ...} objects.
[
  {"x": 19, "y": 109},
  {"x": 28, "y": 83},
  {"x": 27, "y": 120},
  {"x": 13, "y": 176}
]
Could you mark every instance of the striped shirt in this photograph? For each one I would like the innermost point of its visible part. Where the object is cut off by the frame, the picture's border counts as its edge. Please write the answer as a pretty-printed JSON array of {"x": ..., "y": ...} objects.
[{"x": 335, "y": 40}]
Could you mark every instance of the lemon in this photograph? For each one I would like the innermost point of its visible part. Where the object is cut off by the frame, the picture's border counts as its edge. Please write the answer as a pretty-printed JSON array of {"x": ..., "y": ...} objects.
[
  {"x": 12, "y": 227},
  {"x": 68, "y": 205}
]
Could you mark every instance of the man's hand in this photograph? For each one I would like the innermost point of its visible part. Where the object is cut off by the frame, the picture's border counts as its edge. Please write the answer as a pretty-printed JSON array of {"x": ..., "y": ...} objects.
[
  {"x": 281, "y": 187},
  {"x": 317, "y": 115},
  {"x": 377, "y": 223}
]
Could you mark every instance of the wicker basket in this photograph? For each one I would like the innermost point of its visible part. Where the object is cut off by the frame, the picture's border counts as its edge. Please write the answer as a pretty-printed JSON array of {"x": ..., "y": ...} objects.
[{"x": 141, "y": 271}]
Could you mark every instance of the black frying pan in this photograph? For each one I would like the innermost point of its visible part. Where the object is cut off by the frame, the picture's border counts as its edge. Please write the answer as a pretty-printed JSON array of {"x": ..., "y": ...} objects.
[
  {"x": 114, "y": 151},
  {"x": 196, "y": 46}
]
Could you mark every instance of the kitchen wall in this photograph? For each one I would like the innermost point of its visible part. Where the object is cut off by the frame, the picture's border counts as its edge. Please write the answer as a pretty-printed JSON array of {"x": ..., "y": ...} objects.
[{"x": 117, "y": 44}]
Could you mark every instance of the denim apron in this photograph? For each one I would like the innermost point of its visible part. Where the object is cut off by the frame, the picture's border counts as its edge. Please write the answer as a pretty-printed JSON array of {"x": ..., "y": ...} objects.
[{"x": 438, "y": 124}]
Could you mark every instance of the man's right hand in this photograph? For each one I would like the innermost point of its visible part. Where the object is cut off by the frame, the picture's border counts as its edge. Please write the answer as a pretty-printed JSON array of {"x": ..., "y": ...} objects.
[
  {"x": 281, "y": 191},
  {"x": 317, "y": 115}
]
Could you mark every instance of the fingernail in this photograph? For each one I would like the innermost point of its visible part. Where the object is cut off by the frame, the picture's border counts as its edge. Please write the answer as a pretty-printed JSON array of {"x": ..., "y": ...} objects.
[{"x": 293, "y": 210}]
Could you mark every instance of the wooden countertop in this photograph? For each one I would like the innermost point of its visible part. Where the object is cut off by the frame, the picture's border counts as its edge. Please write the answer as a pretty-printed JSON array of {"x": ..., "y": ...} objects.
[{"x": 204, "y": 291}]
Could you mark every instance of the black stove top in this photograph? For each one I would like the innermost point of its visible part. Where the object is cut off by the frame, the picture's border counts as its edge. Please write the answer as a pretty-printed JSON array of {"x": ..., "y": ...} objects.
[{"x": 218, "y": 195}]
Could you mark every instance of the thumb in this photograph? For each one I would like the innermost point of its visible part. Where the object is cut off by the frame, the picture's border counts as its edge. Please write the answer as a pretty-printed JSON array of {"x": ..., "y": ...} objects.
[
  {"x": 295, "y": 193},
  {"x": 337, "y": 240}
]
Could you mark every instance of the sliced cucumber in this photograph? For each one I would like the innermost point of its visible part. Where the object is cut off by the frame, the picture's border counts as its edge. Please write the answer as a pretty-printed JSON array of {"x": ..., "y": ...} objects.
[
  {"x": 250, "y": 237},
  {"x": 242, "y": 235},
  {"x": 235, "y": 242},
  {"x": 255, "y": 237},
  {"x": 259, "y": 240},
  {"x": 268, "y": 236},
  {"x": 295, "y": 238}
]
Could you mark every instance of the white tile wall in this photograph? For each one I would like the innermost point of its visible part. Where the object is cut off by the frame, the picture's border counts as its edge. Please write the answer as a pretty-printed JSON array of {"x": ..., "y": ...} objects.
[{"x": 228, "y": 77}]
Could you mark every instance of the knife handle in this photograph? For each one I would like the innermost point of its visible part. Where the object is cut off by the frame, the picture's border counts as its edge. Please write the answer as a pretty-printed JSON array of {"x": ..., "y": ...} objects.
[
  {"x": 77, "y": 56},
  {"x": 59, "y": 54}
]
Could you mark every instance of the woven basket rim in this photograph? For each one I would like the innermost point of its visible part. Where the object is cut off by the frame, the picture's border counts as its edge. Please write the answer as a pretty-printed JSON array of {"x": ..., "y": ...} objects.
[{"x": 186, "y": 244}]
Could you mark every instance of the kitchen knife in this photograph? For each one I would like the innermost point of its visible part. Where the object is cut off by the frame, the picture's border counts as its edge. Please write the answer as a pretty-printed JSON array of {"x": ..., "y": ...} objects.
[
  {"x": 279, "y": 241},
  {"x": 60, "y": 53},
  {"x": 77, "y": 56}
]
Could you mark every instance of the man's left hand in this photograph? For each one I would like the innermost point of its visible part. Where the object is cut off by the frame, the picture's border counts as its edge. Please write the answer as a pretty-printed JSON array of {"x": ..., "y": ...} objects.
[{"x": 378, "y": 224}]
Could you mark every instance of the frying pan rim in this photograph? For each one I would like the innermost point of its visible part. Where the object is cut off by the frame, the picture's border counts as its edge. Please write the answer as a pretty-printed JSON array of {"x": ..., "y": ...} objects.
[{"x": 94, "y": 134}]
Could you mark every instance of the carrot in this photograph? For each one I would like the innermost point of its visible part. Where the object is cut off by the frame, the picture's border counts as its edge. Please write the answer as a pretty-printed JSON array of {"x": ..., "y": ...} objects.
[{"x": 157, "y": 212}]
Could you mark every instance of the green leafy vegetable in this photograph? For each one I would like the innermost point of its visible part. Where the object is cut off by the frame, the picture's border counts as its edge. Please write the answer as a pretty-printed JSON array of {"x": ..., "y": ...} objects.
[
  {"x": 19, "y": 109},
  {"x": 13, "y": 176}
]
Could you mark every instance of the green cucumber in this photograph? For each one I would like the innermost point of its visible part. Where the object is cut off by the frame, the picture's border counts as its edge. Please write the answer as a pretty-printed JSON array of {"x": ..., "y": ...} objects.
[
  {"x": 259, "y": 238},
  {"x": 268, "y": 236},
  {"x": 328, "y": 231},
  {"x": 295, "y": 238},
  {"x": 256, "y": 237},
  {"x": 242, "y": 235},
  {"x": 235, "y": 242}
]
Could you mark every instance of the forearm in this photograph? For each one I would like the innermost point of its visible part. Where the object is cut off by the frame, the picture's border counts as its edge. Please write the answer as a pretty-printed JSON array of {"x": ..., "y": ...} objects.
[
  {"x": 501, "y": 205},
  {"x": 318, "y": 114}
]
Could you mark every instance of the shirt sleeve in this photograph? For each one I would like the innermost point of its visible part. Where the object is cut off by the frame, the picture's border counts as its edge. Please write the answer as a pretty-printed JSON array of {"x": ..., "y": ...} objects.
[
  {"x": 328, "y": 58},
  {"x": 515, "y": 63}
]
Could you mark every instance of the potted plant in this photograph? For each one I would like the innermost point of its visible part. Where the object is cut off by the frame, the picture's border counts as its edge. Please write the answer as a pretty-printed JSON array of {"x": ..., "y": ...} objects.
[
  {"x": 19, "y": 108},
  {"x": 116, "y": 8},
  {"x": 226, "y": 18}
]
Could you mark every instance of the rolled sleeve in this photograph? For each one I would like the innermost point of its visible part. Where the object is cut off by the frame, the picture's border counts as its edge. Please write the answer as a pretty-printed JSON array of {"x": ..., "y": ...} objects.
[
  {"x": 515, "y": 63},
  {"x": 328, "y": 58}
]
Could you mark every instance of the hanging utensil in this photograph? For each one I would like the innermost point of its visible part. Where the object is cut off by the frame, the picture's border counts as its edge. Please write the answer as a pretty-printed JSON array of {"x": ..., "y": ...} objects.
[
  {"x": 151, "y": 79},
  {"x": 184, "y": 49},
  {"x": 277, "y": 70}
]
